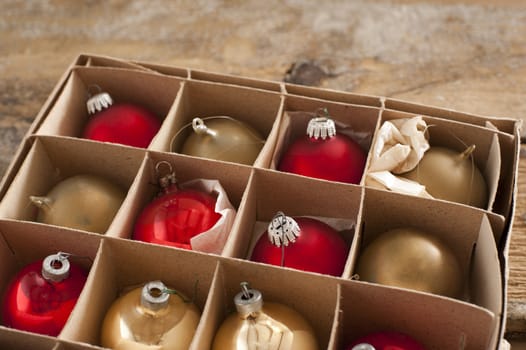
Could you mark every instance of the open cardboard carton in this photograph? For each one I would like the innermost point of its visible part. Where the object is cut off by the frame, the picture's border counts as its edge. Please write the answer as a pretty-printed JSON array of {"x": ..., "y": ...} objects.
[{"x": 340, "y": 308}]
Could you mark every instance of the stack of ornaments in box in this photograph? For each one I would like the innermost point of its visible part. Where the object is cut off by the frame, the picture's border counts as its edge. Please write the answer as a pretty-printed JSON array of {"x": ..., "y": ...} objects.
[{"x": 156, "y": 207}]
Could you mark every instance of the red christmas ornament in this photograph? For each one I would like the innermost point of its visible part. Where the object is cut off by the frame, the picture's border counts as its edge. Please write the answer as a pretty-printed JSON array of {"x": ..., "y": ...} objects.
[
  {"x": 386, "y": 341},
  {"x": 124, "y": 123},
  {"x": 302, "y": 243},
  {"x": 176, "y": 215},
  {"x": 42, "y": 295},
  {"x": 323, "y": 154}
]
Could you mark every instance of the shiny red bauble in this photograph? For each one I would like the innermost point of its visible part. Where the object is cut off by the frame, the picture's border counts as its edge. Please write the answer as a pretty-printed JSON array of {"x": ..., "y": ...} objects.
[
  {"x": 386, "y": 341},
  {"x": 334, "y": 157},
  {"x": 317, "y": 248},
  {"x": 37, "y": 304},
  {"x": 176, "y": 216},
  {"x": 125, "y": 124}
]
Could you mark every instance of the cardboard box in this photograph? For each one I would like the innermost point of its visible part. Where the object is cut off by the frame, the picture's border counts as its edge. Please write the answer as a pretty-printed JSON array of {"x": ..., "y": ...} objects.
[{"x": 340, "y": 308}]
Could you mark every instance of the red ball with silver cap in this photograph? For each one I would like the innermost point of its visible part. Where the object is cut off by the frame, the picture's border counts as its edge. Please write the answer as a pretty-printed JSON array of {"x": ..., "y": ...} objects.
[
  {"x": 42, "y": 295},
  {"x": 122, "y": 123},
  {"x": 324, "y": 154},
  {"x": 388, "y": 340},
  {"x": 302, "y": 243},
  {"x": 176, "y": 215}
]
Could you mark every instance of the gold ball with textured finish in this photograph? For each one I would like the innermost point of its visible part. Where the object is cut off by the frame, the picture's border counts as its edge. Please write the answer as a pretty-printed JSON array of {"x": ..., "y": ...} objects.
[
  {"x": 275, "y": 327},
  {"x": 412, "y": 259},
  {"x": 130, "y": 325}
]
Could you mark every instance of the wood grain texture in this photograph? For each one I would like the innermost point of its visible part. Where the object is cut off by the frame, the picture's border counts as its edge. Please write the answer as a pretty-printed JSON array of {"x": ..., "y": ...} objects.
[{"x": 466, "y": 55}]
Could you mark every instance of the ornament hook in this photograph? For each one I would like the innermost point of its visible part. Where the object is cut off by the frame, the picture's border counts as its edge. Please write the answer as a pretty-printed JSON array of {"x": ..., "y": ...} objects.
[
  {"x": 283, "y": 230},
  {"x": 200, "y": 127},
  {"x": 167, "y": 179}
]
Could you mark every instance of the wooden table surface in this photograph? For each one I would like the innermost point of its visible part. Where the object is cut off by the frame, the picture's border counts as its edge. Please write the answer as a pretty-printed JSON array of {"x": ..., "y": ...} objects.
[{"x": 465, "y": 55}]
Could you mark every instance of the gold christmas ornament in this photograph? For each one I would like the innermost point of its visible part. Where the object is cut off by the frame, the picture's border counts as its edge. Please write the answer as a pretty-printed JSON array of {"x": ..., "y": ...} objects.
[
  {"x": 220, "y": 138},
  {"x": 148, "y": 318},
  {"x": 451, "y": 176},
  {"x": 412, "y": 259},
  {"x": 83, "y": 202},
  {"x": 258, "y": 325}
]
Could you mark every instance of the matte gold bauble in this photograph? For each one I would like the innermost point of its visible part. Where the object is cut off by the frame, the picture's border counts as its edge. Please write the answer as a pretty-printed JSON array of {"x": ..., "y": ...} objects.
[
  {"x": 219, "y": 138},
  {"x": 412, "y": 259},
  {"x": 150, "y": 318},
  {"x": 83, "y": 202},
  {"x": 269, "y": 326},
  {"x": 451, "y": 176}
]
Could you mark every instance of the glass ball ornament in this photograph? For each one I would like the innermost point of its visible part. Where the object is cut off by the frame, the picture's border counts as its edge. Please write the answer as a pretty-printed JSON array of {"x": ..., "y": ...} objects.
[
  {"x": 263, "y": 325},
  {"x": 324, "y": 154},
  {"x": 123, "y": 123},
  {"x": 386, "y": 340},
  {"x": 42, "y": 295},
  {"x": 302, "y": 243},
  {"x": 413, "y": 259},
  {"x": 452, "y": 176},
  {"x": 83, "y": 202},
  {"x": 176, "y": 215},
  {"x": 220, "y": 138},
  {"x": 150, "y": 317}
]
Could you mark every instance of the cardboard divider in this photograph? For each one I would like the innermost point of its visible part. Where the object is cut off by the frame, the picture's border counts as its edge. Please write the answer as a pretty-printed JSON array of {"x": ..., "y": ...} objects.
[
  {"x": 67, "y": 345},
  {"x": 437, "y": 323},
  {"x": 24, "y": 243},
  {"x": 357, "y": 122},
  {"x": 236, "y": 80},
  {"x": 122, "y": 265},
  {"x": 69, "y": 115},
  {"x": 507, "y": 125},
  {"x": 165, "y": 69},
  {"x": 313, "y": 296},
  {"x": 268, "y": 192},
  {"x": 53, "y": 159},
  {"x": 461, "y": 228},
  {"x": 510, "y": 149},
  {"x": 333, "y": 95},
  {"x": 18, "y": 340},
  {"x": 458, "y": 136},
  {"x": 232, "y": 177},
  {"x": 109, "y": 62},
  {"x": 258, "y": 109}
]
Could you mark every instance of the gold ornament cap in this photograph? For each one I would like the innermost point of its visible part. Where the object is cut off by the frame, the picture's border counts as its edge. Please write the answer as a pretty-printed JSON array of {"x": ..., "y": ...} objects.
[
  {"x": 248, "y": 301},
  {"x": 154, "y": 296},
  {"x": 55, "y": 267}
]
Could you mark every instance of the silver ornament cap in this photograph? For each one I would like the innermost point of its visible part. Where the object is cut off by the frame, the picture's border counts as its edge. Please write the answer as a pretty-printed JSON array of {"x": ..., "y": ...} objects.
[
  {"x": 154, "y": 296},
  {"x": 248, "y": 301},
  {"x": 98, "y": 102},
  {"x": 283, "y": 230},
  {"x": 55, "y": 267},
  {"x": 363, "y": 346},
  {"x": 321, "y": 127}
]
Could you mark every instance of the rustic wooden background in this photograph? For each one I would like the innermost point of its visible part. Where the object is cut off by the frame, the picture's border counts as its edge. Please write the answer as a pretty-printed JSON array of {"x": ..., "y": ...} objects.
[{"x": 467, "y": 55}]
